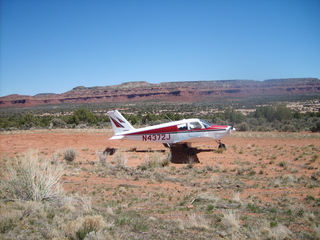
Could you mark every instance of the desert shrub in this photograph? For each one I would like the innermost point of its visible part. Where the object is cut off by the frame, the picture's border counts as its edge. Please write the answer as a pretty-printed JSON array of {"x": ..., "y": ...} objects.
[
  {"x": 120, "y": 159},
  {"x": 31, "y": 178},
  {"x": 197, "y": 222},
  {"x": 314, "y": 157},
  {"x": 82, "y": 115},
  {"x": 283, "y": 113},
  {"x": 69, "y": 154},
  {"x": 243, "y": 127},
  {"x": 263, "y": 128},
  {"x": 230, "y": 221},
  {"x": 100, "y": 235},
  {"x": 57, "y": 123},
  {"x": 315, "y": 127},
  {"x": 271, "y": 113},
  {"x": 233, "y": 116},
  {"x": 154, "y": 160},
  {"x": 90, "y": 224},
  {"x": 288, "y": 128},
  {"x": 102, "y": 157},
  {"x": 8, "y": 221},
  {"x": 28, "y": 121},
  {"x": 280, "y": 232},
  {"x": 218, "y": 120}
]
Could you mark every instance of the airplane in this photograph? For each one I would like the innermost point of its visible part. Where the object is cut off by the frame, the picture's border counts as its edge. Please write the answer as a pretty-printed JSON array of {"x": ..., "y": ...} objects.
[{"x": 175, "y": 134}]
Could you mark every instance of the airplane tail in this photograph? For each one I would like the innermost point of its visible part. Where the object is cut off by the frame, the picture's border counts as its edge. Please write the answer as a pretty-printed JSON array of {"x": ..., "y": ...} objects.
[{"x": 119, "y": 123}]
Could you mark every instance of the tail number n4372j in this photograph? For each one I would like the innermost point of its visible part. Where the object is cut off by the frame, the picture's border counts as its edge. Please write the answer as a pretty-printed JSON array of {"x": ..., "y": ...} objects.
[{"x": 156, "y": 137}]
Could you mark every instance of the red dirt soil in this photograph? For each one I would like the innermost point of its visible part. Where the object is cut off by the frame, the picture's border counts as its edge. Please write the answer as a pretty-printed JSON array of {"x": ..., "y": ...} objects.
[
  {"x": 265, "y": 168},
  {"x": 267, "y": 149},
  {"x": 88, "y": 142}
]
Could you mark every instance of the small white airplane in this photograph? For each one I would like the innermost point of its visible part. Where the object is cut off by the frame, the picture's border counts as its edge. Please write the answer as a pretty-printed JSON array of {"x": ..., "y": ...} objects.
[{"x": 172, "y": 134}]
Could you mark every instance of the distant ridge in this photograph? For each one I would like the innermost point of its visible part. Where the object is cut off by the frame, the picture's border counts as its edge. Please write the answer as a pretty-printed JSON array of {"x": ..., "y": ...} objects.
[
  {"x": 44, "y": 94},
  {"x": 169, "y": 92}
]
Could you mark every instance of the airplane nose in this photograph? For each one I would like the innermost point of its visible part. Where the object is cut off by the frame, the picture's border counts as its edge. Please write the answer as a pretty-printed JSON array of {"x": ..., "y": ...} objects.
[{"x": 232, "y": 128}]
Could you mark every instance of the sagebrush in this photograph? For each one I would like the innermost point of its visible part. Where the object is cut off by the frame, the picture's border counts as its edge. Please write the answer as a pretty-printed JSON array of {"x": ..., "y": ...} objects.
[{"x": 31, "y": 178}]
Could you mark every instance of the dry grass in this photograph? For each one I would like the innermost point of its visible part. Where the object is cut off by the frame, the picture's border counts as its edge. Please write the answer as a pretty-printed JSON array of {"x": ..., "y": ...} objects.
[
  {"x": 31, "y": 178},
  {"x": 120, "y": 159},
  {"x": 69, "y": 154},
  {"x": 155, "y": 160},
  {"x": 197, "y": 222},
  {"x": 250, "y": 191},
  {"x": 230, "y": 222}
]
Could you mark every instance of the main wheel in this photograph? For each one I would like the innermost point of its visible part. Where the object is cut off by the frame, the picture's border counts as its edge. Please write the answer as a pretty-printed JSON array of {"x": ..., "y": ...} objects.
[
  {"x": 221, "y": 145},
  {"x": 191, "y": 151}
]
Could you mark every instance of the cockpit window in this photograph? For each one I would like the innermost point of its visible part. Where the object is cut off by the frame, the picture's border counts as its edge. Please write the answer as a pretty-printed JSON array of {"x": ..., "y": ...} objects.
[
  {"x": 205, "y": 124},
  {"x": 182, "y": 126},
  {"x": 194, "y": 125}
]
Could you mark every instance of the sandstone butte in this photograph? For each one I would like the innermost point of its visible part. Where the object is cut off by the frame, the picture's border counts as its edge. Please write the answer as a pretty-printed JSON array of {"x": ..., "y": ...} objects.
[{"x": 190, "y": 91}]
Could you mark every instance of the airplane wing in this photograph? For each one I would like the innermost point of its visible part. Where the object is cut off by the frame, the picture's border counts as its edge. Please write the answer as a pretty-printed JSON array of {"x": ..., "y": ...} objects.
[{"x": 116, "y": 137}]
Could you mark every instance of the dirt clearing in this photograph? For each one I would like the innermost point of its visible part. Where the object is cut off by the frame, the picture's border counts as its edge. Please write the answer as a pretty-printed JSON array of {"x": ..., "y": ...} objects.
[{"x": 265, "y": 185}]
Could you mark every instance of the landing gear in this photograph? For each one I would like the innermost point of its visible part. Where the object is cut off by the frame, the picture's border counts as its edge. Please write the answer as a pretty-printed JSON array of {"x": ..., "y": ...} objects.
[
  {"x": 221, "y": 145},
  {"x": 109, "y": 151},
  {"x": 191, "y": 151},
  {"x": 167, "y": 145},
  {"x": 182, "y": 153}
]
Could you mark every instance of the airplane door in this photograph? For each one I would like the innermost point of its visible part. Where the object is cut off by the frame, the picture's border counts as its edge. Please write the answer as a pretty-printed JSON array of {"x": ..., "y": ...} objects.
[{"x": 193, "y": 127}]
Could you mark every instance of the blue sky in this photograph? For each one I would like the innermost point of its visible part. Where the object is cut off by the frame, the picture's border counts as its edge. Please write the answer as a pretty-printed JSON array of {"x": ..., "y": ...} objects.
[{"x": 54, "y": 45}]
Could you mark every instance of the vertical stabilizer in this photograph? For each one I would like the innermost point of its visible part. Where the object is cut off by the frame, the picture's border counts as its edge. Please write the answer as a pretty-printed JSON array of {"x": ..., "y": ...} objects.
[{"x": 119, "y": 123}]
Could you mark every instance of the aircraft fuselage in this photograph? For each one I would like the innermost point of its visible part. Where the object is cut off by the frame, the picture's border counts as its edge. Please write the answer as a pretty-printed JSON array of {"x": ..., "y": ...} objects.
[{"x": 183, "y": 131}]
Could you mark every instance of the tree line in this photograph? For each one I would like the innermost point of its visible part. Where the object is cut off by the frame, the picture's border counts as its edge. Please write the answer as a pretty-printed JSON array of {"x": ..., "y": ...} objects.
[{"x": 266, "y": 118}]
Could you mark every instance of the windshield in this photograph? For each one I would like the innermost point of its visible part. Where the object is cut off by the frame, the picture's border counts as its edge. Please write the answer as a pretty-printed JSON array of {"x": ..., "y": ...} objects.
[{"x": 205, "y": 124}]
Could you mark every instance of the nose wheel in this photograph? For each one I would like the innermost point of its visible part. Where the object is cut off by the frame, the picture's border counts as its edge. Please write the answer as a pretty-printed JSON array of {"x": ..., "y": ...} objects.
[{"x": 221, "y": 145}]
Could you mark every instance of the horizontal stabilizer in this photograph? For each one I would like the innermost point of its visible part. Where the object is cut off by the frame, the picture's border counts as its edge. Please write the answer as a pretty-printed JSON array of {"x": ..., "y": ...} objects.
[{"x": 116, "y": 137}]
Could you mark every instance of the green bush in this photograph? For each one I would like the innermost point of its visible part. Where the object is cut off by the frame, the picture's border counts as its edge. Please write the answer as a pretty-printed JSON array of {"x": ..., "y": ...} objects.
[
  {"x": 82, "y": 115},
  {"x": 243, "y": 127},
  {"x": 58, "y": 123},
  {"x": 315, "y": 127}
]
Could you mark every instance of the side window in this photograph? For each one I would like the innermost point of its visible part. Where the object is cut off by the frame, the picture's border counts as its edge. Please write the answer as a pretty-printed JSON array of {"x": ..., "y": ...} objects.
[
  {"x": 195, "y": 125},
  {"x": 182, "y": 126}
]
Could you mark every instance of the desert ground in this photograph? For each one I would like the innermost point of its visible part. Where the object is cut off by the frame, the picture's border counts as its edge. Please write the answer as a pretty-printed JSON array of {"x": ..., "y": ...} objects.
[{"x": 264, "y": 186}]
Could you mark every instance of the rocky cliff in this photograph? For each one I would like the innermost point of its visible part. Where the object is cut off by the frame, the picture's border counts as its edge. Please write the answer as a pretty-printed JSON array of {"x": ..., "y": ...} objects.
[{"x": 169, "y": 91}]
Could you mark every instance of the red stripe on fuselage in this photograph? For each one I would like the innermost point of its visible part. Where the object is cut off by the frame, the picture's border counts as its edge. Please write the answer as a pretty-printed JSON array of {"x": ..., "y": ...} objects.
[
  {"x": 174, "y": 129},
  {"x": 157, "y": 130}
]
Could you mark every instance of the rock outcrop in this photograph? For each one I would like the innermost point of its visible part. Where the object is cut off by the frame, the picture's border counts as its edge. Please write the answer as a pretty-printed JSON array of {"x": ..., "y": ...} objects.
[{"x": 169, "y": 91}]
